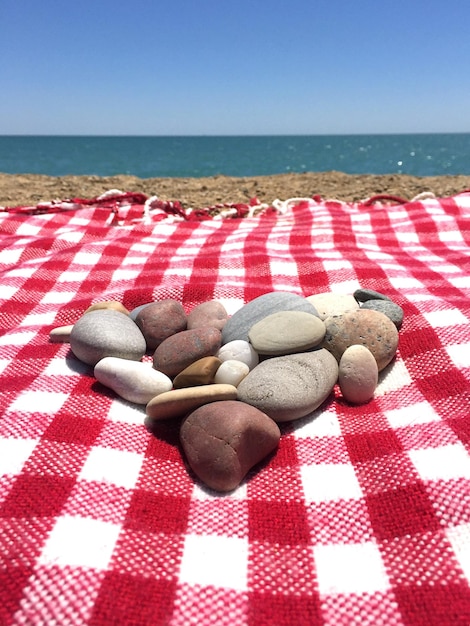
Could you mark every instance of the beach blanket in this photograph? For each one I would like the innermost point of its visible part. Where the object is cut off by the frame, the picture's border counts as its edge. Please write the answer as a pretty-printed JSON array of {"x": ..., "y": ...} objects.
[{"x": 362, "y": 516}]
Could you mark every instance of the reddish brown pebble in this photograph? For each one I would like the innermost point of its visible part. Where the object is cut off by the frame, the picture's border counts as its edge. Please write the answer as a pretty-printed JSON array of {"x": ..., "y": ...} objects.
[
  {"x": 108, "y": 304},
  {"x": 222, "y": 441},
  {"x": 210, "y": 313},
  {"x": 201, "y": 372},
  {"x": 369, "y": 328},
  {"x": 160, "y": 320},
  {"x": 178, "y": 351}
]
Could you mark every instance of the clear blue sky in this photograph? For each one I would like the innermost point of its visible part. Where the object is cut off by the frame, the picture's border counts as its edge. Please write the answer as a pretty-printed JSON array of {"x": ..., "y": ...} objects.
[{"x": 179, "y": 67}]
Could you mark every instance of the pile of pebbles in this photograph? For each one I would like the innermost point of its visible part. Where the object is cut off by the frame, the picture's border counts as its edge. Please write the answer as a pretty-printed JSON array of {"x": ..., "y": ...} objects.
[{"x": 232, "y": 380}]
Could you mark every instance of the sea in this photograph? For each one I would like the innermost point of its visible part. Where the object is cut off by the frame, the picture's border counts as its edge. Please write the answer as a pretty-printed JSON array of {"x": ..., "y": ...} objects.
[{"x": 197, "y": 156}]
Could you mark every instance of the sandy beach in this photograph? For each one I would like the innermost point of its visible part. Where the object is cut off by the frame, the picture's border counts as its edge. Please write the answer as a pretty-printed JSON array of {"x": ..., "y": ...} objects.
[{"x": 30, "y": 189}]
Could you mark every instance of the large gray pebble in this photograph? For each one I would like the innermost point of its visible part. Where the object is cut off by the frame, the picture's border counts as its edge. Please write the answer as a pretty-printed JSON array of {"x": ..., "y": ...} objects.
[
  {"x": 132, "y": 380},
  {"x": 291, "y": 386},
  {"x": 106, "y": 332},
  {"x": 393, "y": 311},
  {"x": 238, "y": 326}
]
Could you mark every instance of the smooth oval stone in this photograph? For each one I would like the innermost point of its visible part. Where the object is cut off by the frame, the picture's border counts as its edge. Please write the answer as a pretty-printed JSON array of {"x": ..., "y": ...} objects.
[
  {"x": 222, "y": 441},
  {"x": 328, "y": 304},
  {"x": 201, "y": 372},
  {"x": 61, "y": 334},
  {"x": 211, "y": 313},
  {"x": 369, "y": 328},
  {"x": 160, "y": 320},
  {"x": 239, "y": 350},
  {"x": 175, "y": 353},
  {"x": 231, "y": 372},
  {"x": 362, "y": 295},
  {"x": 106, "y": 332},
  {"x": 291, "y": 386},
  {"x": 179, "y": 402},
  {"x": 132, "y": 380},
  {"x": 286, "y": 332},
  {"x": 358, "y": 374},
  {"x": 238, "y": 326},
  {"x": 393, "y": 311},
  {"x": 108, "y": 304}
]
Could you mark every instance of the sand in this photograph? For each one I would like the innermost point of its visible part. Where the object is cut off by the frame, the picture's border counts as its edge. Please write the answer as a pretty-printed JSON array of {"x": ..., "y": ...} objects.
[{"x": 30, "y": 189}]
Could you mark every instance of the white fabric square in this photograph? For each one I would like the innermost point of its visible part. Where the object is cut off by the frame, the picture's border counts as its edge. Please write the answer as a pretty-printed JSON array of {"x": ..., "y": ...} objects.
[
  {"x": 459, "y": 354},
  {"x": 449, "y": 317},
  {"x": 350, "y": 568},
  {"x": 57, "y": 297},
  {"x": 328, "y": 481},
  {"x": 199, "y": 493},
  {"x": 125, "y": 274},
  {"x": 419, "y": 413},
  {"x": 70, "y": 276},
  {"x": 215, "y": 560},
  {"x": 321, "y": 423},
  {"x": 443, "y": 463},
  {"x": 39, "y": 401},
  {"x": 7, "y": 292},
  {"x": 80, "y": 542},
  {"x": 459, "y": 537},
  {"x": 9, "y": 257},
  {"x": 17, "y": 339},
  {"x": 38, "y": 319},
  {"x": 118, "y": 467},
  {"x": 393, "y": 377},
  {"x": 4, "y": 363},
  {"x": 86, "y": 258},
  {"x": 126, "y": 412},
  {"x": 61, "y": 366},
  {"x": 14, "y": 454}
]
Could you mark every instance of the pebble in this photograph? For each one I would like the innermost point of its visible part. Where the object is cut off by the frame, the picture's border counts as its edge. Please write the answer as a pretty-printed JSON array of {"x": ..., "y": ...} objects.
[
  {"x": 160, "y": 320},
  {"x": 106, "y": 332},
  {"x": 291, "y": 386},
  {"x": 328, "y": 304},
  {"x": 390, "y": 309},
  {"x": 177, "y": 352},
  {"x": 239, "y": 350},
  {"x": 61, "y": 334},
  {"x": 201, "y": 372},
  {"x": 222, "y": 441},
  {"x": 133, "y": 314},
  {"x": 231, "y": 372},
  {"x": 286, "y": 332},
  {"x": 238, "y": 326},
  {"x": 132, "y": 380},
  {"x": 362, "y": 295},
  {"x": 358, "y": 374},
  {"x": 211, "y": 313},
  {"x": 180, "y": 402},
  {"x": 369, "y": 328},
  {"x": 108, "y": 304}
]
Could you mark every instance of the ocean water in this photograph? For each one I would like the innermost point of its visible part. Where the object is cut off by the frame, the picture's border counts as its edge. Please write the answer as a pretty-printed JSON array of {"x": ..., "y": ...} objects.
[{"x": 146, "y": 157}]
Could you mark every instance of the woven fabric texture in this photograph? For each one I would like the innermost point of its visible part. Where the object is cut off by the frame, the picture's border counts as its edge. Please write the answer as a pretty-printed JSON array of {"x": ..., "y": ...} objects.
[{"x": 363, "y": 514}]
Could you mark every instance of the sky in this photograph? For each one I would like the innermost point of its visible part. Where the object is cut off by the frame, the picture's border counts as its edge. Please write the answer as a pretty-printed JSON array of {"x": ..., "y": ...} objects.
[{"x": 245, "y": 67}]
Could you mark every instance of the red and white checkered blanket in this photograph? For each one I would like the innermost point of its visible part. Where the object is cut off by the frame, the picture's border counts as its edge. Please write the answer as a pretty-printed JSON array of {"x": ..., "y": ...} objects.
[{"x": 363, "y": 514}]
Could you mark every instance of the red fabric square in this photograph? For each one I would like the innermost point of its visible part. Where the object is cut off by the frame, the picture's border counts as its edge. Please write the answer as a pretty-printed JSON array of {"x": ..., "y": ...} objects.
[
  {"x": 434, "y": 605},
  {"x": 278, "y": 522},
  {"x": 37, "y": 496},
  {"x": 155, "y": 512},
  {"x": 266, "y": 609},
  {"x": 367, "y": 446}
]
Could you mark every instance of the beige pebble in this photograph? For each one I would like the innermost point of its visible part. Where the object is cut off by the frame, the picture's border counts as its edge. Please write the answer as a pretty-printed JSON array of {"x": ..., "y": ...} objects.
[
  {"x": 328, "y": 304},
  {"x": 286, "y": 332},
  {"x": 358, "y": 374},
  {"x": 61, "y": 334},
  {"x": 231, "y": 372},
  {"x": 108, "y": 304},
  {"x": 179, "y": 402}
]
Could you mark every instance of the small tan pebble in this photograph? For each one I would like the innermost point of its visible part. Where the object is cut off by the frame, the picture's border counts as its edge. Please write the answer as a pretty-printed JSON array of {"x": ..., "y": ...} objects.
[
  {"x": 179, "y": 402},
  {"x": 201, "y": 372},
  {"x": 61, "y": 334},
  {"x": 328, "y": 304},
  {"x": 108, "y": 304},
  {"x": 211, "y": 313},
  {"x": 231, "y": 372},
  {"x": 222, "y": 441},
  {"x": 358, "y": 374}
]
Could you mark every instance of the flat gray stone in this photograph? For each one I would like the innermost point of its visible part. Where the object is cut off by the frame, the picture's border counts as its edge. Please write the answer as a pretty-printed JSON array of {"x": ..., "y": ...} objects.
[
  {"x": 393, "y": 311},
  {"x": 238, "y": 326},
  {"x": 286, "y": 332},
  {"x": 291, "y": 386},
  {"x": 362, "y": 295}
]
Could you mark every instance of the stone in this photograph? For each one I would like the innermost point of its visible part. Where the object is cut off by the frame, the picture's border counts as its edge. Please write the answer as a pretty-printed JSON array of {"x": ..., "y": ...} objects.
[
  {"x": 239, "y": 324},
  {"x": 358, "y": 374},
  {"x": 393, "y": 311},
  {"x": 328, "y": 304},
  {"x": 231, "y": 372},
  {"x": 291, "y": 386},
  {"x": 61, "y": 334},
  {"x": 239, "y": 350},
  {"x": 132, "y": 380},
  {"x": 108, "y": 304},
  {"x": 211, "y": 313},
  {"x": 201, "y": 372},
  {"x": 175, "y": 353},
  {"x": 134, "y": 313},
  {"x": 286, "y": 332},
  {"x": 369, "y": 328},
  {"x": 362, "y": 295},
  {"x": 160, "y": 320},
  {"x": 223, "y": 441},
  {"x": 179, "y": 402},
  {"x": 106, "y": 332}
]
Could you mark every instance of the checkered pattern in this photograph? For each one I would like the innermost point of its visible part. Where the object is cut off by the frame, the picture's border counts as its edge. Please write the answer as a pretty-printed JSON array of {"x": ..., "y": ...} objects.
[{"x": 362, "y": 516}]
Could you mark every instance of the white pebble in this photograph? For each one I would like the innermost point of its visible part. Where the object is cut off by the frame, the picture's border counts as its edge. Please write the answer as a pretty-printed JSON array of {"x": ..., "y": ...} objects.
[
  {"x": 231, "y": 372},
  {"x": 239, "y": 350}
]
